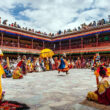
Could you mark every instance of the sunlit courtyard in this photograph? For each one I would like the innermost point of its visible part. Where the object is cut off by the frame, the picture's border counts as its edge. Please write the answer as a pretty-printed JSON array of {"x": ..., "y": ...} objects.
[{"x": 52, "y": 91}]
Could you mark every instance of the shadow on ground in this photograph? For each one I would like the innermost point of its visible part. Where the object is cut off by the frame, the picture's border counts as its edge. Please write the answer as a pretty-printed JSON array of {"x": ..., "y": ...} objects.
[{"x": 95, "y": 105}]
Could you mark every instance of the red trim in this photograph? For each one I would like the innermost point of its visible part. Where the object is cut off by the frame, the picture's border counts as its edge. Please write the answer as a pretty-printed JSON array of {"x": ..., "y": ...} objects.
[
  {"x": 58, "y": 38},
  {"x": 20, "y": 33},
  {"x": 85, "y": 33}
]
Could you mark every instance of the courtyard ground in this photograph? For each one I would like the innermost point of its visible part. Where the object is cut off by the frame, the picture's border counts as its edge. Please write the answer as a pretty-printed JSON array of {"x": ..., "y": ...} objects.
[{"x": 52, "y": 91}]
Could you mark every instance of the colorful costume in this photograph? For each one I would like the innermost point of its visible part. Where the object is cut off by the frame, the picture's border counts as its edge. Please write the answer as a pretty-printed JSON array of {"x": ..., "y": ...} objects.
[
  {"x": 78, "y": 63},
  {"x": 1, "y": 72},
  {"x": 63, "y": 66},
  {"x": 56, "y": 63},
  {"x": 97, "y": 61},
  {"x": 7, "y": 72},
  {"x": 29, "y": 66},
  {"x": 102, "y": 94},
  {"x": 106, "y": 69},
  {"x": 50, "y": 64},
  {"x": 38, "y": 67},
  {"x": 47, "y": 65},
  {"x": 17, "y": 73},
  {"x": 22, "y": 65}
]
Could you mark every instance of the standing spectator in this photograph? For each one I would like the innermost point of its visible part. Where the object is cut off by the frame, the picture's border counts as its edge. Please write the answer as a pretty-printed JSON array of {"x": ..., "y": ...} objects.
[
  {"x": 79, "y": 28},
  {"x": 18, "y": 26},
  {"x": 15, "y": 25},
  {"x": 12, "y": 25},
  {"x": 5, "y": 22},
  {"x": 59, "y": 32},
  {"x": 94, "y": 23},
  {"x": 0, "y": 20},
  {"x": 102, "y": 21}
]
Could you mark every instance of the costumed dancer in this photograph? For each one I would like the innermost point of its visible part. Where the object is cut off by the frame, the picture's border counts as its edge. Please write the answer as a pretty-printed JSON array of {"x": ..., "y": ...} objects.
[
  {"x": 93, "y": 63},
  {"x": 17, "y": 73},
  {"x": 102, "y": 94},
  {"x": 29, "y": 66},
  {"x": 69, "y": 64},
  {"x": 53, "y": 63},
  {"x": 7, "y": 71},
  {"x": 63, "y": 67},
  {"x": 97, "y": 60},
  {"x": 41, "y": 62},
  {"x": 22, "y": 65},
  {"x": 78, "y": 63},
  {"x": 46, "y": 63},
  {"x": 38, "y": 67},
  {"x": 56, "y": 63},
  {"x": 34, "y": 64},
  {"x": 50, "y": 63},
  {"x": 1, "y": 73},
  {"x": 6, "y": 67}
]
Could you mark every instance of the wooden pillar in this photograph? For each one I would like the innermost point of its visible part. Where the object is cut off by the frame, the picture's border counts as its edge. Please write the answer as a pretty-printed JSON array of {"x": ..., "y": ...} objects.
[
  {"x": 70, "y": 57},
  {"x": 43, "y": 44},
  {"x": 82, "y": 42},
  {"x": 54, "y": 46},
  {"x": 69, "y": 43},
  {"x": 2, "y": 39},
  {"x": 32, "y": 43},
  {"x": 18, "y": 41},
  {"x": 97, "y": 38},
  {"x": 60, "y": 45}
]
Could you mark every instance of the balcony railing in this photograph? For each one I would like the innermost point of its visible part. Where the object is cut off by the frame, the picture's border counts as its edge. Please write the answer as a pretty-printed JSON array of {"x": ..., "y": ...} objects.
[{"x": 21, "y": 45}]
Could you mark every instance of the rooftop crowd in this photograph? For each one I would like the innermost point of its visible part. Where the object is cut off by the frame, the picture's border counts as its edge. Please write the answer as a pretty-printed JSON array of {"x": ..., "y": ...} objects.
[{"x": 82, "y": 27}]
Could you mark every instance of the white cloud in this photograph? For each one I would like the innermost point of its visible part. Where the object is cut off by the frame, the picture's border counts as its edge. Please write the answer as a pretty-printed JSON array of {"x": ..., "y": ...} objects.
[{"x": 53, "y": 15}]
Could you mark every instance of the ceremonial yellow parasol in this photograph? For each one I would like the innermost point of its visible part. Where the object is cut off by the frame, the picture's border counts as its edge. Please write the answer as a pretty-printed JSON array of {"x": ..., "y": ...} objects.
[{"x": 46, "y": 53}]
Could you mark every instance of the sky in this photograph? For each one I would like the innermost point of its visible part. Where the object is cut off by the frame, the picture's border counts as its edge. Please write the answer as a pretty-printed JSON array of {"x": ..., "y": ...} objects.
[{"x": 53, "y": 15}]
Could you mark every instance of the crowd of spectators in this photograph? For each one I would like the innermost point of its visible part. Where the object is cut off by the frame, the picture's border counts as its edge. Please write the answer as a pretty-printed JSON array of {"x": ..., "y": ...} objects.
[
  {"x": 15, "y": 25},
  {"x": 83, "y": 26}
]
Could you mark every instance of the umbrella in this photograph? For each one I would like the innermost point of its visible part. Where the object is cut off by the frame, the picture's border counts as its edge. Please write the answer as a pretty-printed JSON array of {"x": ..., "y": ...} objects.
[{"x": 46, "y": 53}]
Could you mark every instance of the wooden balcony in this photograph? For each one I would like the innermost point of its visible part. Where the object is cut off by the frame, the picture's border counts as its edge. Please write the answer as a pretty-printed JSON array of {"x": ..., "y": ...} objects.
[
  {"x": 20, "y": 49},
  {"x": 85, "y": 50}
]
